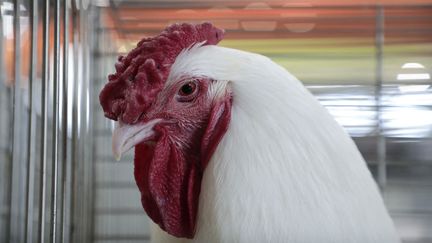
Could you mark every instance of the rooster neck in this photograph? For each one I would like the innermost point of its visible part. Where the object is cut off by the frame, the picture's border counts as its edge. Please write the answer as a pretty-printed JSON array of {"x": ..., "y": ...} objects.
[
  {"x": 275, "y": 189},
  {"x": 285, "y": 171}
]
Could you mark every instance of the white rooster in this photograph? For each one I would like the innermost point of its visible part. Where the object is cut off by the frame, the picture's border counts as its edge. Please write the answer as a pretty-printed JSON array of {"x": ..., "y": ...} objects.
[{"x": 230, "y": 147}]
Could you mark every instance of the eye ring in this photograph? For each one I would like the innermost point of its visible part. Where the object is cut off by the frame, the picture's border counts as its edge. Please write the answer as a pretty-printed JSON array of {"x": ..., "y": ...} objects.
[{"x": 188, "y": 91}]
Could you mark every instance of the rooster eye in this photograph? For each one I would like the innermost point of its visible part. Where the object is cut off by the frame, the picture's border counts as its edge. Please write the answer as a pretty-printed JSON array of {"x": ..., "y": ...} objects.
[{"x": 187, "y": 91}]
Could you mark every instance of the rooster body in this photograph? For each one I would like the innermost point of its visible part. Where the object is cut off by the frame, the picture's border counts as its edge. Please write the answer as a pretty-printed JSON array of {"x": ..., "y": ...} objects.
[
  {"x": 230, "y": 147},
  {"x": 285, "y": 171}
]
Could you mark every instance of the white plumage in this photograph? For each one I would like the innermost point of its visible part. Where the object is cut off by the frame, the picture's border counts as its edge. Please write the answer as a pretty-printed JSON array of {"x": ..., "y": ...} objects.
[{"x": 285, "y": 171}]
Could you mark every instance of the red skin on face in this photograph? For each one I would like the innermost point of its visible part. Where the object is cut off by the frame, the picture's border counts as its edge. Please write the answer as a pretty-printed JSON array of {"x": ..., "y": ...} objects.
[{"x": 169, "y": 172}]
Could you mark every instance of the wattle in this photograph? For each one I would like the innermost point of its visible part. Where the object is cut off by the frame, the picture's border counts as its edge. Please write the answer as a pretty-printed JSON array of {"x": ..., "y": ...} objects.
[
  {"x": 169, "y": 174},
  {"x": 169, "y": 181}
]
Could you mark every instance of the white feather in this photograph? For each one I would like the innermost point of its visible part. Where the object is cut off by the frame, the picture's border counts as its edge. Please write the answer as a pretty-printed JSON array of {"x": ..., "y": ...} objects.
[{"x": 285, "y": 171}]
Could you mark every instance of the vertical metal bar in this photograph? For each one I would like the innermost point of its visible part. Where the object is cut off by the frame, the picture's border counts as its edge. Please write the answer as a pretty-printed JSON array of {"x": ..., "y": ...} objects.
[
  {"x": 44, "y": 110},
  {"x": 74, "y": 145},
  {"x": 64, "y": 121},
  {"x": 80, "y": 209},
  {"x": 381, "y": 142},
  {"x": 88, "y": 166},
  {"x": 32, "y": 119},
  {"x": 17, "y": 214},
  {"x": 13, "y": 227},
  {"x": 12, "y": 137},
  {"x": 56, "y": 108},
  {"x": 91, "y": 76},
  {"x": 3, "y": 185},
  {"x": 84, "y": 124}
]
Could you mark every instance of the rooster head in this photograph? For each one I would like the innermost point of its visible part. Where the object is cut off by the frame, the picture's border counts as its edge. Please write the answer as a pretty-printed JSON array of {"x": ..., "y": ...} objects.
[{"x": 174, "y": 123}]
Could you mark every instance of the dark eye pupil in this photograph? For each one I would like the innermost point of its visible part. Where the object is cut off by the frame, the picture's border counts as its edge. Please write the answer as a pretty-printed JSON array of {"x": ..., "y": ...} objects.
[{"x": 187, "y": 89}]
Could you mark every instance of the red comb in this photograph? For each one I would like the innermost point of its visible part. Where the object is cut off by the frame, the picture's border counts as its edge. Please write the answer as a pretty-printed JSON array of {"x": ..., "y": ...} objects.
[{"x": 143, "y": 72}]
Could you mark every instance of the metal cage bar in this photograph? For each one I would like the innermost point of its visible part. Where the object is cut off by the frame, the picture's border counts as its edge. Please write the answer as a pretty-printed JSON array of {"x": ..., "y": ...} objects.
[
  {"x": 31, "y": 123},
  {"x": 44, "y": 108},
  {"x": 45, "y": 56},
  {"x": 55, "y": 138}
]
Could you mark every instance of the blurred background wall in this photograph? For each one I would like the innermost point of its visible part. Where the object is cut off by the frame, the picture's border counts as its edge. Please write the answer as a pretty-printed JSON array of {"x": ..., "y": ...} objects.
[{"x": 368, "y": 62}]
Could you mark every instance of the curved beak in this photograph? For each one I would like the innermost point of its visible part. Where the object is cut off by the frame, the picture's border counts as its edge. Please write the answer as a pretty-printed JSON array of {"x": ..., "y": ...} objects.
[{"x": 127, "y": 136}]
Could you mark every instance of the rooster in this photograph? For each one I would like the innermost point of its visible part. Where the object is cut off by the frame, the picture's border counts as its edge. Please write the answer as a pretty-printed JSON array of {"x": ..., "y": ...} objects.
[{"x": 230, "y": 147}]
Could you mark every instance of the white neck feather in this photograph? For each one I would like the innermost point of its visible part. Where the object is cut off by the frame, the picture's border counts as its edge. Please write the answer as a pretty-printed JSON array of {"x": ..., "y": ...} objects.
[{"x": 285, "y": 171}]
